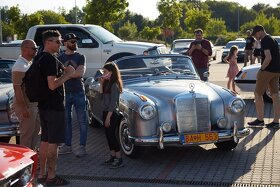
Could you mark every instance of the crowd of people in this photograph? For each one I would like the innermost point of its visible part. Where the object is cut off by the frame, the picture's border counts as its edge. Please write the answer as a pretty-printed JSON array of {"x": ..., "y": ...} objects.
[{"x": 62, "y": 88}]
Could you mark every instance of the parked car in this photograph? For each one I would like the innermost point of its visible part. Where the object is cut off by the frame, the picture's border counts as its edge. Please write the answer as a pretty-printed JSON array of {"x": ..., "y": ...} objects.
[
  {"x": 18, "y": 165},
  {"x": 6, "y": 64},
  {"x": 246, "y": 78},
  {"x": 180, "y": 46},
  {"x": 9, "y": 124},
  {"x": 241, "y": 49},
  {"x": 162, "y": 107}
]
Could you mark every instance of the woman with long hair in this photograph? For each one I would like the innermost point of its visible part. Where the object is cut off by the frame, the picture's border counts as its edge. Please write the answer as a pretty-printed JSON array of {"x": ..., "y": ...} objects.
[{"x": 111, "y": 86}]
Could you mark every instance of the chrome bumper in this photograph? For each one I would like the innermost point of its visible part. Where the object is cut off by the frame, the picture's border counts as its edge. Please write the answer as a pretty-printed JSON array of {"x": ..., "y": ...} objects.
[
  {"x": 8, "y": 129},
  {"x": 175, "y": 140}
]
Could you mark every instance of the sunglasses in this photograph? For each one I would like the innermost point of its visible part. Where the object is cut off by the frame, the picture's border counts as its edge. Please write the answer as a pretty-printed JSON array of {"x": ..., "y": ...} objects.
[
  {"x": 56, "y": 41},
  {"x": 73, "y": 42},
  {"x": 33, "y": 48}
]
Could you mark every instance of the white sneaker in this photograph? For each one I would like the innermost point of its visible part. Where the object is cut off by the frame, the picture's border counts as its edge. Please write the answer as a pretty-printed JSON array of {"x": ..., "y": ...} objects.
[{"x": 65, "y": 149}]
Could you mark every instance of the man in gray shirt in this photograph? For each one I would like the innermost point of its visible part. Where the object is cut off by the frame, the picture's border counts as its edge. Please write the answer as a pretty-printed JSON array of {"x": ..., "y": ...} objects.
[{"x": 75, "y": 94}]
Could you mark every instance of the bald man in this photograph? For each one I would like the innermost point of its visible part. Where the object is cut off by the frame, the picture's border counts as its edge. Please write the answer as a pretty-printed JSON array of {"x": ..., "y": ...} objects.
[{"x": 26, "y": 111}]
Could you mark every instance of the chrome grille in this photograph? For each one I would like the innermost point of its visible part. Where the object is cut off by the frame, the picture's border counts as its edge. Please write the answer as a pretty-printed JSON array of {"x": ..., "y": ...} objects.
[{"x": 193, "y": 113}]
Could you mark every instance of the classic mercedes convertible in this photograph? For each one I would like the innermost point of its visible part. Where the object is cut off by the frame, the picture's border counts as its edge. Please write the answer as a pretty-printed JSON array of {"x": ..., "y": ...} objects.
[{"x": 169, "y": 105}]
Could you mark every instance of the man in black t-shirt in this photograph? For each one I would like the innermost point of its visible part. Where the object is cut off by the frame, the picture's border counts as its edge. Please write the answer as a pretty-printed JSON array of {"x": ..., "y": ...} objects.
[
  {"x": 267, "y": 77},
  {"x": 249, "y": 48},
  {"x": 51, "y": 107}
]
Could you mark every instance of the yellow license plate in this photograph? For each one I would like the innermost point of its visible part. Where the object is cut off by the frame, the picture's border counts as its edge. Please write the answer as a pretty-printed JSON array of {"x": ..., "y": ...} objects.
[{"x": 201, "y": 137}]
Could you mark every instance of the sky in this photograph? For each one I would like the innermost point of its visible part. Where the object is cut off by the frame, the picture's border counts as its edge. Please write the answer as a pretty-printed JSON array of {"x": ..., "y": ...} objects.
[{"x": 147, "y": 8}]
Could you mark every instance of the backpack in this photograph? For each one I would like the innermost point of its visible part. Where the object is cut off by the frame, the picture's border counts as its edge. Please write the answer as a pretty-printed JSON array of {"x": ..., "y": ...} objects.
[{"x": 32, "y": 80}]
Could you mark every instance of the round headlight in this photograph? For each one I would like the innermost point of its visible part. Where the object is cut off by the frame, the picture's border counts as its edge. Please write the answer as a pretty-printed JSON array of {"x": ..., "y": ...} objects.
[
  {"x": 222, "y": 122},
  {"x": 237, "y": 106},
  {"x": 147, "y": 111},
  {"x": 166, "y": 127}
]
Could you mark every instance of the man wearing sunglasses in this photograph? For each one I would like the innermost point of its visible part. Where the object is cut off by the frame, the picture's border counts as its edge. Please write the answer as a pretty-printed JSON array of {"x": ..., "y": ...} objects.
[
  {"x": 51, "y": 107},
  {"x": 26, "y": 111},
  {"x": 75, "y": 94}
]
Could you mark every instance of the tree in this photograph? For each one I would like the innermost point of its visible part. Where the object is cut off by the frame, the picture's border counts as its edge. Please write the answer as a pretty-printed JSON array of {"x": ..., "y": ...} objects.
[
  {"x": 51, "y": 17},
  {"x": 75, "y": 15},
  {"x": 215, "y": 27},
  {"x": 128, "y": 31},
  {"x": 150, "y": 33},
  {"x": 197, "y": 19},
  {"x": 104, "y": 12}
]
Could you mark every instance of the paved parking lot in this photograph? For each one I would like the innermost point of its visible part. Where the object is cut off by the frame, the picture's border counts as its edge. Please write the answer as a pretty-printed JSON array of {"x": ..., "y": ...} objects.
[{"x": 255, "y": 161}]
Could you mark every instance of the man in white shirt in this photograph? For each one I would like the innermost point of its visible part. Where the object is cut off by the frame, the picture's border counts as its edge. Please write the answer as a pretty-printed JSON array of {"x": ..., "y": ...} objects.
[{"x": 26, "y": 111}]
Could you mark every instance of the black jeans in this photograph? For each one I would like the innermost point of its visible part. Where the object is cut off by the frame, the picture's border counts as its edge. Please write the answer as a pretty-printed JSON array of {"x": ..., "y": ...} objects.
[{"x": 110, "y": 132}]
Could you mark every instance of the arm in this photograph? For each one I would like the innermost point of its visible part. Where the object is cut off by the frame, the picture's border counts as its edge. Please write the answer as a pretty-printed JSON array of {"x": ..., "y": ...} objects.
[
  {"x": 80, "y": 71},
  {"x": 191, "y": 49},
  {"x": 113, "y": 99},
  {"x": 226, "y": 59},
  {"x": 17, "y": 81},
  {"x": 207, "y": 50},
  {"x": 267, "y": 59},
  {"x": 54, "y": 82}
]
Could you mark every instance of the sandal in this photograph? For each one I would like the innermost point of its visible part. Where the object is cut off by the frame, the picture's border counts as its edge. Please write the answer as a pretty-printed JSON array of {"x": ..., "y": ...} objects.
[{"x": 56, "y": 181}]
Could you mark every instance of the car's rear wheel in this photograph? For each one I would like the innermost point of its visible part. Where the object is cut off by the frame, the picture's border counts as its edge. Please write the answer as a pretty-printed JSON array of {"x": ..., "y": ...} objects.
[
  {"x": 226, "y": 145},
  {"x": 127, "y": 144}
]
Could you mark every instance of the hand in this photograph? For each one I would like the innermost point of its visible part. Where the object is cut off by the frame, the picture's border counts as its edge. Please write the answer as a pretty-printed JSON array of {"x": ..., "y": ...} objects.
[
  {"x": 69, "y": 70},
  {"x": 198, "y": 46}
]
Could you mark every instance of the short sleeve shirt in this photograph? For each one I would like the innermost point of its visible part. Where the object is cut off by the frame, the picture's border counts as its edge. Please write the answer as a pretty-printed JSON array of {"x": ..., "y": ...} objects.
[
  {"x": 73, "y": 85},
  {"x": 50, "y": 99},
  {"x": 268, "y": 43},
  {"x": 22, "y": 65},
  {"x": 249, "y": 43}
]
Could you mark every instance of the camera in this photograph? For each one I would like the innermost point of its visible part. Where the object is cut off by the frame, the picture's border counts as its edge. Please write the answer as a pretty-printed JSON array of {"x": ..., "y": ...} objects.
[{"x": 196, "y": 42}]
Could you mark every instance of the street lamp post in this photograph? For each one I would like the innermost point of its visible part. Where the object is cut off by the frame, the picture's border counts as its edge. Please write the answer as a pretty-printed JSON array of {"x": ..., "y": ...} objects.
[{"x": 75, "y": 12}]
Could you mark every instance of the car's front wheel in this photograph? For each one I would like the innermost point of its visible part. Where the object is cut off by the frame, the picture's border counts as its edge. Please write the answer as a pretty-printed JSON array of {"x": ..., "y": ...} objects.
[
  {"x": 226, "y": 145},
  {"x": 126, "y": 143}
]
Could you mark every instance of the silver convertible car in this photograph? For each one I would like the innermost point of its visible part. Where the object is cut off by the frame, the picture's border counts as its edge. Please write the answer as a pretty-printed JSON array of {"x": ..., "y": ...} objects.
[{"x": 169, "y": 105}]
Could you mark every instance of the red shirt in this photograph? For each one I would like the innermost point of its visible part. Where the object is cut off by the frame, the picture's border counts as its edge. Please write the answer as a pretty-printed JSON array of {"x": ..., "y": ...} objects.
[{"x": 200, "y": 60}]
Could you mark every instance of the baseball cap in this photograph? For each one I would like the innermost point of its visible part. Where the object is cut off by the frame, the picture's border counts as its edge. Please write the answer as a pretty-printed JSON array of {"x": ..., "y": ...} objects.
[
  {"x": 256, "y": 29},
  {"x": 70, "y": 36}
]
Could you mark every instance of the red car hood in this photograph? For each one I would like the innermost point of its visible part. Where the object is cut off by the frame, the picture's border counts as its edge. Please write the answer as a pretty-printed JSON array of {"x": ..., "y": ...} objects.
[{"x": 14, "y": 158}]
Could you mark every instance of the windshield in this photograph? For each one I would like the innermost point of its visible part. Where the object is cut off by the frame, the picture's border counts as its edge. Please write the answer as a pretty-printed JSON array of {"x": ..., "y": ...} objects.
[
  {"x": 156, "y": 65},
  {"x": 102, "y": 34},
  {"x": 240, "y": 45}
]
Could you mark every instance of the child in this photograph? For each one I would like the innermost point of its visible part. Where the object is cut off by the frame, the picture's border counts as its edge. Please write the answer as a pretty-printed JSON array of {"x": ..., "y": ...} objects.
[{"x": 233, "y": 69}]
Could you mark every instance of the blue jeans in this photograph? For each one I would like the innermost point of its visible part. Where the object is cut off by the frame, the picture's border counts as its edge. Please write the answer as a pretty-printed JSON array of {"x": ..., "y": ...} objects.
[{"x": 78, "y": 100}]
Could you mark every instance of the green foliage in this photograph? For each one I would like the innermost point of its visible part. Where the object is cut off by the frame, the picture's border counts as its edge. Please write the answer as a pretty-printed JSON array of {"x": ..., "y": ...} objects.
[
  {"x": 215, "y": 27},
  {"x": 100, "y": 12},
  {"x": 150, "y": 33},
  {"x": 197, "y": 19},
  {"x": 128, "y": 31},
  {"x": 51, "y": 17},
  {"x": 170, "y": 13}
]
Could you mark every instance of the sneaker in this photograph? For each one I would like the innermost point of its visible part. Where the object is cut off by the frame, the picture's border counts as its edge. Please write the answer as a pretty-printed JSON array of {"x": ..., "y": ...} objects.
[
  {"x": 272, "y": 125},
  {"x": 118, "y": 162},
  {"x": 256, "y": 123},
  {"x": 81, "y": 151},
  {"x": 56, "y": 181},
  {"x": 65, "y": 149},
  {"x": 110, "y": 160}
]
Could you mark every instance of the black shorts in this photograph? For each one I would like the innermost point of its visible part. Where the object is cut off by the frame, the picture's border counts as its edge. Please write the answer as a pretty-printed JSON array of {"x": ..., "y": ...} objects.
[
  {"x": 257, "y": 52},
  {"x": 53, "y": 126}
]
